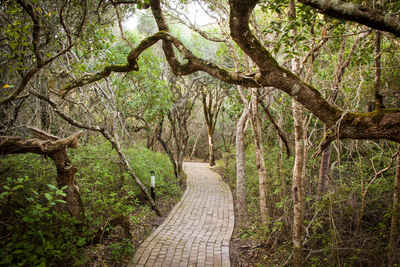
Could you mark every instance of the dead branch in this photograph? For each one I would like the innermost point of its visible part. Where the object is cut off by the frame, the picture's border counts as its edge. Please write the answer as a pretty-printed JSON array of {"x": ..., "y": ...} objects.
[
  {"x": 281, "y": 134},
  {"x": 18, "y": 145}
]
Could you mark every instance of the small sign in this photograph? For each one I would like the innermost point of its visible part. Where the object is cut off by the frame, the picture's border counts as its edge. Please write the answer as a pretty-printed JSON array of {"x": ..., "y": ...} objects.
[{"x": 153, "y": 181}]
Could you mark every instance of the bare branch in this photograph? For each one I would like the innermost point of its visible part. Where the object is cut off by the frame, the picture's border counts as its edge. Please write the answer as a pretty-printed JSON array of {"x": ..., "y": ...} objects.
[
  {"x": 191, "y": 26},
  {"x": 120, "y": 26},
  {"x": 35, "y": 30},
  {"x": 42, "y": 134},
  {"x": 63, "y": 115},
  {"x": 281, "y": 134}
]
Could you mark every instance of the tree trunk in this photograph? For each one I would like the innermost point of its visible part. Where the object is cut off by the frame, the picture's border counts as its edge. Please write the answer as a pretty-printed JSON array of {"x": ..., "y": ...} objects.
[
  {"x": 211, "y": 158},
  {"x": 179, "y": 162},
  {"x": 280, "y": 173},
  {"x": 394, "y": 231},
  {"x": 151, "y": 138},
  {"x": 377, "y": 96},
  {"x": 299, "y": 162},
  {"x": 212, "y": 102},
  {"x": 195, "y": 144},
  {"x": 262, "y": 172},
  {"x": 66, "y": 177},
  {"x": 297, "y": 187},
  {"x": 240, "y": 168},
  {"x": 165, "y": 147},
  {"x": 323, "y": 169},
  {"x": 44, "y": 109}
]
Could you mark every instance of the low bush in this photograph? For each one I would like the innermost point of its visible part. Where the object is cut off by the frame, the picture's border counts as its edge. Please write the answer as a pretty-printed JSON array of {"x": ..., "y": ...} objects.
[{"x": 36, "y": 230}]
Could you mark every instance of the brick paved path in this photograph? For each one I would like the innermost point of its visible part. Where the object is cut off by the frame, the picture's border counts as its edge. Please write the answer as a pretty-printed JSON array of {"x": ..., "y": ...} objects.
[{"x": 198, "y": 229}]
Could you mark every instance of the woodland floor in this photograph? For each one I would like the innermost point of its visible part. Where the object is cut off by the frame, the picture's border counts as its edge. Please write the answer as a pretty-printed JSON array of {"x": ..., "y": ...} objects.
[
  {"x": 243, "y": 252},
  {"x": 198, "y": 230}
]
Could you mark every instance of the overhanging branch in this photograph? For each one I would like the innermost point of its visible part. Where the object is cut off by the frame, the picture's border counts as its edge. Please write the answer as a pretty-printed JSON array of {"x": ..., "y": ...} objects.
[
  {"x": 354, "y": 12},
  {"x": 194, "y": 64}
]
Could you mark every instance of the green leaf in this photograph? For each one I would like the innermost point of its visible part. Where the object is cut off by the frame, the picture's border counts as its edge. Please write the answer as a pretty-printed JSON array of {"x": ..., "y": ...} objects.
[
  {"x": 15, "y": 188},
  {"x": 52, "y": 187},
  {"x": 48, "y": 196},
  {"x": 4, "y": 194},
  {"x": 81, "y": 241}
]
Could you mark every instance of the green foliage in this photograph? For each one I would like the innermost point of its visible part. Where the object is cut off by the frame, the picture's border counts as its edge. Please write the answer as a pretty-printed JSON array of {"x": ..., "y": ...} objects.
[
  {"x": 39, "y": 233},
  {"x": 121, "y": 249},
  {"x": 331, "y": 222},
  {"x": 36, "y": 228}
]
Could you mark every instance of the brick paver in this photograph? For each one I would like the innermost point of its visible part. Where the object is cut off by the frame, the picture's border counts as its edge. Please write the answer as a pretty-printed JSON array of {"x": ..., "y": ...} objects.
[{"x": 198, "y": 229}]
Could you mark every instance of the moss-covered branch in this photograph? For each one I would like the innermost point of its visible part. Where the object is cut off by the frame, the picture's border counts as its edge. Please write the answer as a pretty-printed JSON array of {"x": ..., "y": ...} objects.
[{"x": 354, "y": 12}]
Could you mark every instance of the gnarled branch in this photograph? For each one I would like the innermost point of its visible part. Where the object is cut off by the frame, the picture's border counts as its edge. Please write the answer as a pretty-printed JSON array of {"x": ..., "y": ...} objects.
[{"x": 354, "y": 12}]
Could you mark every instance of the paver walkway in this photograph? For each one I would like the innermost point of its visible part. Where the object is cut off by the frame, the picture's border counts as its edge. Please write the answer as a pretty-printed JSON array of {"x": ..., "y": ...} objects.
[{"x": 198, "y": 229}]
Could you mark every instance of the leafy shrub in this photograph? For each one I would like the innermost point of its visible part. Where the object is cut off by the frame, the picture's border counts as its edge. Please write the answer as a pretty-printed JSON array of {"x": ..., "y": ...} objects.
[
  {"x": 37, "y": 231},
  {"x": 38, "y": 234}
]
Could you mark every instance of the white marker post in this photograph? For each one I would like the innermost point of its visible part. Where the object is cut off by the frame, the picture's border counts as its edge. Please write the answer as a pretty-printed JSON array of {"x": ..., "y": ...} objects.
[{"x": 153, "y": 185}]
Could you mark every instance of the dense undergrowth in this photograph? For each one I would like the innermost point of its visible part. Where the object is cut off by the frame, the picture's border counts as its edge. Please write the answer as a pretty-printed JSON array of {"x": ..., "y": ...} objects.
[
  {"x": 36, "y": 231},
  {"x": 333, "y": 233}
]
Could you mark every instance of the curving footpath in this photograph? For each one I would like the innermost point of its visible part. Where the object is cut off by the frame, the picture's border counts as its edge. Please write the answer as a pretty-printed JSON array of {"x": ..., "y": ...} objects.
[{"x": 198, "y": 229}]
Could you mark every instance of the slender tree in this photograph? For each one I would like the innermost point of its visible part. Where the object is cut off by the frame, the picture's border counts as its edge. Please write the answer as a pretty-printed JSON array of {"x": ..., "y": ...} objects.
[
  {"x": 241, "y": 166},
  {"x": 212, "y": 99},
  {"x": 394, "y": 228},
  {"x": 260, "y": 159}
]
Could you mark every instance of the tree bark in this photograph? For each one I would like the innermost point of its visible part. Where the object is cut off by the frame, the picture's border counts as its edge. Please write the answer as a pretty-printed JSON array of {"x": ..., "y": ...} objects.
[
  {"x": 195, "y": 143},
  {"x": 297, "y": 186},
  {"x": 165, "y": 147},
  {"x": 323, "y": 171},
  {"x": 394, "y": 228},
  {"x": 66, "y": 177},
  {"x": 44, "y": 109},
  {"x": 113, "y": 142},
  {"x": 377, "y": 96},
  {"x": 212, "y": 102},
  {"x": 116, "y": 145},
  {"x": 211, "y": 157},
  {"x": 357, "y": 13},
  {"x": 262, "y": 172},
  {"x": 241, "y": 167},
  {"x": 299, "y": 163},
  {"x": 280, "y": 173}
]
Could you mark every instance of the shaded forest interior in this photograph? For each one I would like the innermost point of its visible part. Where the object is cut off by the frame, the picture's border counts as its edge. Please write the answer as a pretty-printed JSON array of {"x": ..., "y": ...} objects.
[{"x": 295, "y": 103}]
